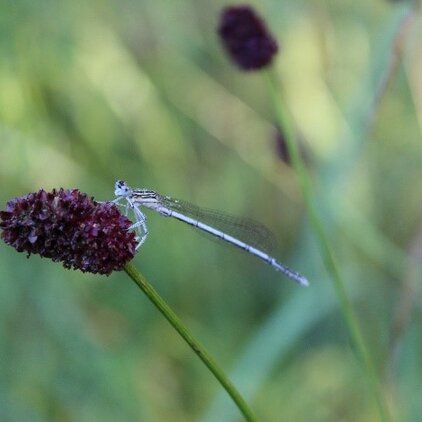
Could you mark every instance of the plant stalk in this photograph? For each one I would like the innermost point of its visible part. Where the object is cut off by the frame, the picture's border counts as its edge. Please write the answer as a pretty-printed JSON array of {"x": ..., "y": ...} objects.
[
  {"x": 200, "y": 351},
  {"x": 286, "y": 126}
]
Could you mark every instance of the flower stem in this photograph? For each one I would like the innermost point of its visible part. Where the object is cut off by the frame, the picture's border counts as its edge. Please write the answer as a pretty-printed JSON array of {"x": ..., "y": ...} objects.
[
  {"x": 200, "y": 351},
  {"x": 327, "y": 255}
]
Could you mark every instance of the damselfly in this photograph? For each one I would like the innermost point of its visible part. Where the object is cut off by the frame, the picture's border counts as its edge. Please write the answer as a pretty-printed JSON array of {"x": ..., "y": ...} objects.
[{"x": 224, "y": 227}]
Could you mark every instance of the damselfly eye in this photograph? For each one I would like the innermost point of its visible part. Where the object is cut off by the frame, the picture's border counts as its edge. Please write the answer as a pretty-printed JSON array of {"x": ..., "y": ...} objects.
[{"x": 121, "y": 187}]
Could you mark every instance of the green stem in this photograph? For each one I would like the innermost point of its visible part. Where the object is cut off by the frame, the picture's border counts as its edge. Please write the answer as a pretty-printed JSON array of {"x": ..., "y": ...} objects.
[
  {"x": 328, "y": 257},
  {"x": 175, "y": 321}
]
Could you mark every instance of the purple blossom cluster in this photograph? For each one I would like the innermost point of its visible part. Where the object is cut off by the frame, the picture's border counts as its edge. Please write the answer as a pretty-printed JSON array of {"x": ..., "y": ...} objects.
[
  {"x": 246, "y": 38},
  {"x": 68, "y": 226}
]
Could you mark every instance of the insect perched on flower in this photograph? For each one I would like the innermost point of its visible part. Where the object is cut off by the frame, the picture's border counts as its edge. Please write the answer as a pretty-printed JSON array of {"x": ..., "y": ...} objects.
[{"x": 225, "y": 227}]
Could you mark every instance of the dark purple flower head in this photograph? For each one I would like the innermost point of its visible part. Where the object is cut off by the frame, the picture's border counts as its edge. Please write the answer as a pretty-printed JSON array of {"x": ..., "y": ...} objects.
[
  {"x": 246, "y": 38},
  {"x": 68, "y": 226}
]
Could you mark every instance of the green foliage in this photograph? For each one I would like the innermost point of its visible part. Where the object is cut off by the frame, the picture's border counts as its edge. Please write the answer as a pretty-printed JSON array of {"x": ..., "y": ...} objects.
[{"x": 95, "y": 91}]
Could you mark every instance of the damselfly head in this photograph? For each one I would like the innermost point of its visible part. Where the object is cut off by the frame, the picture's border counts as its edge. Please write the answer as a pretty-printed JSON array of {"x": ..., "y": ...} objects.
[{"x": 122, "y": 189}]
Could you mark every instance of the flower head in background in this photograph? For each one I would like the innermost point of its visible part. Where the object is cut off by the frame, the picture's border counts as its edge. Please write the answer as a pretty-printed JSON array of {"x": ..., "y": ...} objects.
[
  {"x": 281, "y": 147},
  {"x": 282, "y": 150},
  {"x": 246, "y": 39},
  {"x": 68, "y": 226}
]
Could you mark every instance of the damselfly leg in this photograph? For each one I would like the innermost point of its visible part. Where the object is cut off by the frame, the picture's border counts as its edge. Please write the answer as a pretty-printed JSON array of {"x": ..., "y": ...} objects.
[{"x": 140, "y": 225}]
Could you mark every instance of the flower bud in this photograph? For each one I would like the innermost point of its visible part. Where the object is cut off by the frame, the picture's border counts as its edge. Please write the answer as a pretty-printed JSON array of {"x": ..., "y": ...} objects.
[{"x": 245, "y": 38}]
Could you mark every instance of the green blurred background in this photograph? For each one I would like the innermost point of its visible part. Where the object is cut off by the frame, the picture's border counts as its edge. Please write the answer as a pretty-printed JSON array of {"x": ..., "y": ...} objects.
[{"x": 140, "y": 90}]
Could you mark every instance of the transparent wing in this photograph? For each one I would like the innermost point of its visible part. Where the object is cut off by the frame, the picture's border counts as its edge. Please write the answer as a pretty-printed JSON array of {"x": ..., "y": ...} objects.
[{"x": 244, "y": 229}]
